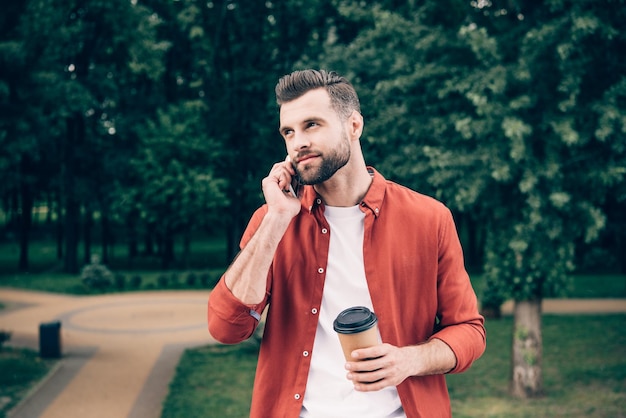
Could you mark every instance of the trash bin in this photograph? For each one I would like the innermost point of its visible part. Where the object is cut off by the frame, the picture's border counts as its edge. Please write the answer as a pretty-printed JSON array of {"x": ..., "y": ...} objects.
[{"x": 50, "y": 340}]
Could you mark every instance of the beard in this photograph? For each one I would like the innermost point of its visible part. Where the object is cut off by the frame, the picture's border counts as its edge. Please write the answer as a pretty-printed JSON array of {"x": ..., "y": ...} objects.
[{"x": 330, "y": 164}]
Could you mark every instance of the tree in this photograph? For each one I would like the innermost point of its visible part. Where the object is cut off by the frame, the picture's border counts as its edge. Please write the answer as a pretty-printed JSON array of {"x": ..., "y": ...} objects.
[
  {"x": 228, "y": 55},
  {"x": 180, "y": 192},
  {"x": 560, "y": 157},
  {"x": 76, "y": 59},
  {"x": 27, "y": 133},
  {"x": 510, "y": 112}
]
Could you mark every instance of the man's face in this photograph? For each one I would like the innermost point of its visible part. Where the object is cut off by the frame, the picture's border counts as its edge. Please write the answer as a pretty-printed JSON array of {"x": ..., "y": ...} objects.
[{"x": 315, "y": 136}]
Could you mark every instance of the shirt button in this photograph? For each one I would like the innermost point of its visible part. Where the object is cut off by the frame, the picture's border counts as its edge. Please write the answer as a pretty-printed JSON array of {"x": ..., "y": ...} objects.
[
  {"x": 296, "y": 396},
  {"x": 324, "y": 231},
  {"x": 305, "y": 353},
  {"x": 314, "y": 311},
  {"x": 319, "y": 201},
  {"x": 320, "y": 270}
]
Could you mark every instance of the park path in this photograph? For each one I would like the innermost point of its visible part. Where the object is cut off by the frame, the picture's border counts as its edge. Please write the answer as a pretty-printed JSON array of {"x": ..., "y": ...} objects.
[{"x": 120, "y": 351}]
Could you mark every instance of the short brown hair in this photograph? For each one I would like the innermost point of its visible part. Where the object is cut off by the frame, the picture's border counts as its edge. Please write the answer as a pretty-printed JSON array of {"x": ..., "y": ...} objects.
[{"x": 343, "y": 97}]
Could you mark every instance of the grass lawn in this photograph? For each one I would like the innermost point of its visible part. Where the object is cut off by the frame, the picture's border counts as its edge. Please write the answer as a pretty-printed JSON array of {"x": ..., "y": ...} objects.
[
  {"x": 584, "y": 375},
  {"x": 585, "y": 286},
  {"x": 212, "y": 381},
  {"x": 21, "y": 370},
  {"x": 584, "y": 371}
]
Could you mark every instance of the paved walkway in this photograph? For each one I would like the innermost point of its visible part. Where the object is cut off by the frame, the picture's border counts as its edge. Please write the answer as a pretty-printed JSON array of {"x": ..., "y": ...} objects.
[{"x": 120, "y": 351}]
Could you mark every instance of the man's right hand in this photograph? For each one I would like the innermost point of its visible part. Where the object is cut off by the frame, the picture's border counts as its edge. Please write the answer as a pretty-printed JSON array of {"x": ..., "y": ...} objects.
[
  {"x": 276, "y": 190},
  {"x": 246, "y": 277}
]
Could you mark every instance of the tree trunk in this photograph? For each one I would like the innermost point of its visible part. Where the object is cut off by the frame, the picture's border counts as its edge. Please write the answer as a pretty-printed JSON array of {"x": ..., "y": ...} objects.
[
  {"x": 50, "y": 200},
  {"x": 132, "y": 233},
  {"x": 87, "y": 227},
  {"x": 234, "y": 229},
  {"x": 75, "y": 132},
  {"x": 186, "y": 249},
  {"x": 167, "y": 249},
  {"x": 71, "y": 230},
  {"x": 26, "y": 220},
  {"x": 526, "y": 379},
  {"x": 149, "y": 238},
  {"x": 105, "y": 236},
  {"x": 620, "y": 244},
  {"x": 60, "y": 221}
]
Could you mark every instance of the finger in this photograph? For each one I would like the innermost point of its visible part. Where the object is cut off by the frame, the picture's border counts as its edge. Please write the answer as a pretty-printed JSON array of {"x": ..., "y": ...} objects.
[
  {"x": 371, "y": 387},
  {"x": 368, "y": 377},
  {"x": 370, "y": 352},
  {"x": 280, "y": 174},
  {"x": 364, "y": 365},
  {"x": 369, "y": 381}
]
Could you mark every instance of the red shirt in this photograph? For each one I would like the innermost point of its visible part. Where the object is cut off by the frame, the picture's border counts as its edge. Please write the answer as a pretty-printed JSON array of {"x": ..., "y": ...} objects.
[{"x": 417, "y": 281}]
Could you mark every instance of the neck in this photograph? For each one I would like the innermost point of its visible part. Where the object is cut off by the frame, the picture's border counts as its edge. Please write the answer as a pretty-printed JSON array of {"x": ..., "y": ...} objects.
[{"x": 347, "y": 187}]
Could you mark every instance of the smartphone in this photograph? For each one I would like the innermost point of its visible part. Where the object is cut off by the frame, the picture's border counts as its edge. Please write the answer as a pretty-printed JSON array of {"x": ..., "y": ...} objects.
[{"x": 295, "y": 185}]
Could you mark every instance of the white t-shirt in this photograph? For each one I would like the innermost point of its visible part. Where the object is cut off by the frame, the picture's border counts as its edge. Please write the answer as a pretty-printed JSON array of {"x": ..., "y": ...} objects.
[{"x": 329, "y": 393}]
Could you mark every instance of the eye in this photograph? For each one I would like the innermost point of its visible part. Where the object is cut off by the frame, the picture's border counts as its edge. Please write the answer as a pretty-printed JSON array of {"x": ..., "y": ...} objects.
[{"x": 312, "y": 124}]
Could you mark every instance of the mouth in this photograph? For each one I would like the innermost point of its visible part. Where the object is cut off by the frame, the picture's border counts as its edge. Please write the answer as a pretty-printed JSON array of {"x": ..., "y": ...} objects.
[{"x": 305, "y": 158}]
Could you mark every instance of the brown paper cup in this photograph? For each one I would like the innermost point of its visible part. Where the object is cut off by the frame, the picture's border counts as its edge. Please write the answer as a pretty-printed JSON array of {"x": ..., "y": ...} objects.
[{"x": 356, "y": 328}]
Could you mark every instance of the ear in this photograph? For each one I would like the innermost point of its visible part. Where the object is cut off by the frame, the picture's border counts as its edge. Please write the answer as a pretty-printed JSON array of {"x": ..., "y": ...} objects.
[{"x": 355, "y": 125}]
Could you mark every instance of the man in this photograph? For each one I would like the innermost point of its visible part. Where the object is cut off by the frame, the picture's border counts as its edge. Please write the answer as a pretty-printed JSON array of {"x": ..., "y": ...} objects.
[{"x": 350, "y": 238}]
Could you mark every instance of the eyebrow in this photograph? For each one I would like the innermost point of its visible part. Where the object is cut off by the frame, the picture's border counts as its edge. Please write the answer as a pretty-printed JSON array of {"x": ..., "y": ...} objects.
[{"x": 282, "y": 129}]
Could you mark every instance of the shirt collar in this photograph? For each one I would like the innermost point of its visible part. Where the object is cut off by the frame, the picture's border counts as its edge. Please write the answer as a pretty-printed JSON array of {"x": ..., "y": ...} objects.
[{"x": 373, "y": 199}]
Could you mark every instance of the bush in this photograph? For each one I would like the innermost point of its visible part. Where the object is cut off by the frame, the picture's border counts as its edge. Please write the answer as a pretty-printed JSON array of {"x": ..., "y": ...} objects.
[
  {"x": 163, "y": 281},
  {"x": 135, "y": 281},
  {"x": 4, "y": 336},
  {"x": 120, "y": 281},
  {"x": 191, "y": 279},
  {"x": 205, "y": 278},
  {"x": 95, "y": 275},
  {"x": 175, "y": 283}
]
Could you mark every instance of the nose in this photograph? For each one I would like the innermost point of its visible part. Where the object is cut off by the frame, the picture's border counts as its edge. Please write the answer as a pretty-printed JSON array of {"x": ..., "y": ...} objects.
[{"x": 300, "y": 141}]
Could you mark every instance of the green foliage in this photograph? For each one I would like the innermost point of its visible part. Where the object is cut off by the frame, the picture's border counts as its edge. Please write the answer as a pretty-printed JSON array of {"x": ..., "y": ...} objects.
[
  {"x": 179, "y": 190},
  {"x": 499, "y": 116},
  {"x": 159, "y": 82},
  {"x": 163, "y": 281},
  {"x": 191, "y": 279},
  {"x": 135, "y": 281},
  {"x": 158, "y": 118},
  {"x": 4, "y": 336},
  {"x": 96, "y": 275}
]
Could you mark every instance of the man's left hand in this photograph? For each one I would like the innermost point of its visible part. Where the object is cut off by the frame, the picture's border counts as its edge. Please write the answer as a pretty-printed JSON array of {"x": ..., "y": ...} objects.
[{"x": 384, "y": 365}]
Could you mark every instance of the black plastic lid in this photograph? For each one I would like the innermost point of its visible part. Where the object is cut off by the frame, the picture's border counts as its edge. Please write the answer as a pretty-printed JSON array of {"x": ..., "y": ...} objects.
[{"x": 354, "y": 320}]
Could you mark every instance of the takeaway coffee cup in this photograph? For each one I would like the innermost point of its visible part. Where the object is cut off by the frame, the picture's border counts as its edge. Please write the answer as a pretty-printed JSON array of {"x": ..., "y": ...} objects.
[{"x": 356, "y": 328}]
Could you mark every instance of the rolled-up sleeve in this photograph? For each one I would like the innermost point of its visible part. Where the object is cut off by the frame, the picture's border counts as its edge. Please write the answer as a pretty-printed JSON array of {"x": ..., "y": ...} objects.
[
  {"x": 231, "y": 321},
  {"x": 467, "y": 342},
  {"x": 462, "y": 327}
]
